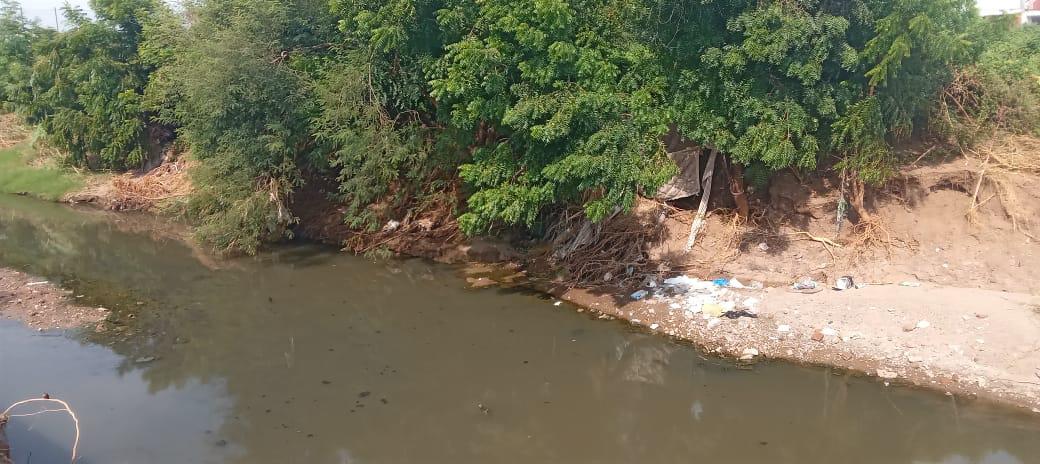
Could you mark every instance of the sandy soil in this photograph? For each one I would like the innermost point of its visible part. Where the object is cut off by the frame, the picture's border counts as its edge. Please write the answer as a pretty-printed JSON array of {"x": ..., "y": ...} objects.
[
  {"x": 42, "y": 305},
  {"x": 978, "y": 277},
  {"x": 975, "y": 342}
]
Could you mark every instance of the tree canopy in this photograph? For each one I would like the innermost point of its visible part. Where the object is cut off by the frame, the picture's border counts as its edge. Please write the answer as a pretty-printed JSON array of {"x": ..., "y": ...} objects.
[{"x": 530, "y": 104}]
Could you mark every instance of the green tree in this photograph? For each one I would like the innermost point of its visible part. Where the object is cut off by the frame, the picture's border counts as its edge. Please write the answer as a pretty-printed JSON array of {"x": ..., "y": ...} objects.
[
  {"x": 237, "y": 88},
  {"x": 86, "y": 87},
  {"x": 17, "y": 36},
  {"x": 566, "y": 101}
]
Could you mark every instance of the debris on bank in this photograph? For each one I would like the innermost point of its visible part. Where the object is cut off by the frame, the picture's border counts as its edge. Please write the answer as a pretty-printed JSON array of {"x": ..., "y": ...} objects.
[
  {"x": 41, "y": 304},
  {"x": 707, "y": 299},
  {"x": 935, "y": 337}
]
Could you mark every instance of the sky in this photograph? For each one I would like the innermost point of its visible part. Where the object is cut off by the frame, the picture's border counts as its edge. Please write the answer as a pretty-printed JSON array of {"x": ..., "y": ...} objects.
[{"x": 43, "y": 10}]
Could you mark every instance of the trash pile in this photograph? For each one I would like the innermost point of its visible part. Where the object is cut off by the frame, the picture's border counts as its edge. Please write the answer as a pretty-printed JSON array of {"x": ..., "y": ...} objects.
[{"x": 711, "y": 299}]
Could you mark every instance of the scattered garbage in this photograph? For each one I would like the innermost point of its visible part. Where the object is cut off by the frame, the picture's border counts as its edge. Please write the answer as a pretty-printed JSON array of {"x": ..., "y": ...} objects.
[
  {"x": 829, "y": 332},
  {"x": 685, "y": 284},
  {"x": 806, "y": 286},
  {"x": 714, "y": 322},
  {"x": 910, "y": 283},
  {"x": 713, "y": 310},
  {"x": 748, "y": 354},
  {"x": 844, "y": 283},
  {"x": 557, "y": 303},
  {"x": 391, "y": 226},
  {"x": 763, "y": 247},
  {"x": 751, "y": 303},
  {"x": 739, "y": 314},
  {"x": 923, "y": 324},
  {"x": 711, "y": 299},
  {"x": 886, "y": 374},
  {"x": 33, "y": 284},
  {"x": 783, "y": 328}
]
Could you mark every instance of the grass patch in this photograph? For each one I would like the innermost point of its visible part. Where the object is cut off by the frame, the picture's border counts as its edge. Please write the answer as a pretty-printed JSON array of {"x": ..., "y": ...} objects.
[{"x": 17, "y": 175}]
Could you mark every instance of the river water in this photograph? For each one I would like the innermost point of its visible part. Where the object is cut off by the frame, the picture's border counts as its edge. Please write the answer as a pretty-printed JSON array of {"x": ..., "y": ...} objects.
[{"x": 306, "y": 355}]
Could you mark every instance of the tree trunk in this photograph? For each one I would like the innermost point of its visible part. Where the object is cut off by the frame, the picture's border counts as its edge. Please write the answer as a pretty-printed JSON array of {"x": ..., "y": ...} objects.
[
  {"x": 737, "y": 189},
  {"x": 859, "y": 192}
]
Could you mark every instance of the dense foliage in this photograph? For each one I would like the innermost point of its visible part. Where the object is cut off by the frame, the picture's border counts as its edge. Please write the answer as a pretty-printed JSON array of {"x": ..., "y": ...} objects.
[
  {"x": 85, "y": 84},
  {"x": 529, "y": 104},
  {"x": 1000, "y": 91}
]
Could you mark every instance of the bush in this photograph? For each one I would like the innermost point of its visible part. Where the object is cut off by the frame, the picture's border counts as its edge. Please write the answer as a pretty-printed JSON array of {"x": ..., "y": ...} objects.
[
  {"x": 86, "y": 85},
  {"x": 999, "y": 92}
]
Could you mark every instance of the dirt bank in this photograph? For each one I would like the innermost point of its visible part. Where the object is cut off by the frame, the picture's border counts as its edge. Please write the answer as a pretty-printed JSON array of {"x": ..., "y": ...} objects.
[
  {"x": 946, "y": 264},
  {"x": 963, "y": 341},
  {"x": 41, "y": 304},
  {"x": 968, "y": 323}
]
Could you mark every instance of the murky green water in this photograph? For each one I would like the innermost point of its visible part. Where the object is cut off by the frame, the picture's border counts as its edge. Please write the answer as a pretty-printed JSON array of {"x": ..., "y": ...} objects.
[{"x": 308, "y": 356}]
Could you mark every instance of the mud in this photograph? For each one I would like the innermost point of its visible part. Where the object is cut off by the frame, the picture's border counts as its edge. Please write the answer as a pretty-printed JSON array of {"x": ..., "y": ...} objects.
[{"x": 41, "y": 304}]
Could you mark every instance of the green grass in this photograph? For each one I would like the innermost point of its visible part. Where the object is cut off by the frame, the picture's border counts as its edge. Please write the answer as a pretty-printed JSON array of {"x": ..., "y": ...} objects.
[{"x": 18, "y": 176}]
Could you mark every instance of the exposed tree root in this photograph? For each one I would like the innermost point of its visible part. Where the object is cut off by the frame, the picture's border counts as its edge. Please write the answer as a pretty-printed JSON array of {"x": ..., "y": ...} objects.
[
  {"x": 612, "y": 251},
  {"x": 1003, "y": 156}
]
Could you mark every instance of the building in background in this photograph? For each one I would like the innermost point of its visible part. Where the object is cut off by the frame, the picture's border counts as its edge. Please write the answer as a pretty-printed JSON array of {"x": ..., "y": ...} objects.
[{"x": 1028, "y": 11}]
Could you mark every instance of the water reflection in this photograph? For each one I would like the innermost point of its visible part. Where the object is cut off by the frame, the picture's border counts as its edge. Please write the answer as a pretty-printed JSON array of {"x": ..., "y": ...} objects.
[{"x": 308, "y": 356}]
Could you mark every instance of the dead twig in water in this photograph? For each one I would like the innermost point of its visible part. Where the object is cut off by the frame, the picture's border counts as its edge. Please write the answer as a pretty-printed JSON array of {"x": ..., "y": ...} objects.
[{"x": 64, "y": 408}]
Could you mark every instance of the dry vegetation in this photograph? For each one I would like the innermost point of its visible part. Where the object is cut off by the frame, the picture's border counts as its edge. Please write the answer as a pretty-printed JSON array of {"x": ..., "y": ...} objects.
[{"x": 11, "y": 131}]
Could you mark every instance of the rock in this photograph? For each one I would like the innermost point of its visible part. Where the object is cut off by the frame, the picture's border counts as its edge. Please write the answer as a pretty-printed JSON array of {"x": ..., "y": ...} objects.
[
  {"x": 909, "y": 327},
  {"x": 480, "y": 282},
  {"x": 749, "y": 353},
  {"x": 829, "y": 332},
  {"x": 783, "y": 328},
  {"x": 714, "y": 322},
  {"x": 145, "y": 359},
  {"x": 817, "y": 336},
  {"x": 981, "y": 315},
  {"x": 487, "y": 251},
  {"x": 886, "y": 374}
]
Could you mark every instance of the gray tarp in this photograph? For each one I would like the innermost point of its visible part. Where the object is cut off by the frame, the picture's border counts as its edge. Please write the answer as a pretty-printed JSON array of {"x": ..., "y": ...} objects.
[
  {"x": 688, "y": 182},
  {"x": 687, "y": 156}
]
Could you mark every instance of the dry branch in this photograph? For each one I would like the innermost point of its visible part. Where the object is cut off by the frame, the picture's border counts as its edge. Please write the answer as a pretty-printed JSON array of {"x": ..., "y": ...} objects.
[{"x": 6, "y": 415}]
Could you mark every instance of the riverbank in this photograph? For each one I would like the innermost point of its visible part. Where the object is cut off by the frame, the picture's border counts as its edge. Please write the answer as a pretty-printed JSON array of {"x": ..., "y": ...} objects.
[
  {"x": 977, "y": 296},
  {"x": 967, "y": 342},
  {"x": 41, "y": 304}
]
